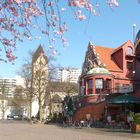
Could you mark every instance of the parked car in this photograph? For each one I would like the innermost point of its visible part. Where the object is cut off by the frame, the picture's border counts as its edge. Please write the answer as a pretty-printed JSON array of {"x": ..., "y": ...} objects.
[
  {"x": 16, "y": 117},
  {"x": 10, "y": 117}
]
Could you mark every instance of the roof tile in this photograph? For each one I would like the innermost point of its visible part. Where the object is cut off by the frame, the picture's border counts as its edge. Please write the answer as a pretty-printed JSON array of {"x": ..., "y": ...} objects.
[{"x": 105, "y": 57}]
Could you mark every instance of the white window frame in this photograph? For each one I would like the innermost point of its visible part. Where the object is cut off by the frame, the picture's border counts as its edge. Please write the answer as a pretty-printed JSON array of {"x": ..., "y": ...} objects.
[
  {"x": 99, "y": 83},
  {"x": 129, "y": 50}
]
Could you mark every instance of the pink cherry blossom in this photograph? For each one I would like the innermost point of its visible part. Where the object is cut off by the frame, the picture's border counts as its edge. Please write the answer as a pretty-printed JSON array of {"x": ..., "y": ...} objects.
[
  {"x": 54, "y": 52},
  {"x": 53, "y": 39},
  {"x": 115, "y": 3},
  {"x": 51, "y": 47},
  {"x": 112, "y": 3},
  {"x": 19, "y": 19},
  {"x": 50, "y": 4},
  {"x": 82, "y": 17},
  {"x": 10, "y": 55}
]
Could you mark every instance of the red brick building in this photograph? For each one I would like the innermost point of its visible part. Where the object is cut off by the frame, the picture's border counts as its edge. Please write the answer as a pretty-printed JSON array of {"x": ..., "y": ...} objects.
[
  {"x": 137, "y": 65},
  {"x": 106, "y": 72}
]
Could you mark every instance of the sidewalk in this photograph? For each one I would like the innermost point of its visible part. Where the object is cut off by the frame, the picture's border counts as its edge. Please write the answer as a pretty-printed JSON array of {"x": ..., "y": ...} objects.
[
  {"x": 18, "y": 130},
  {"x": 107, "y": 132}
]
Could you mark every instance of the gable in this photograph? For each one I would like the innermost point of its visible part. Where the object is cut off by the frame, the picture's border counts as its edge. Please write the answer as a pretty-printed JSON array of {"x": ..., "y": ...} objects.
[{"x": 105, "y": 56}]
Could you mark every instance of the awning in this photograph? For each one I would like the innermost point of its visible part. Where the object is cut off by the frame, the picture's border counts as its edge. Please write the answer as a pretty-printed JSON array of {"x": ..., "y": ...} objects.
[{"x": 124, "y": 99}]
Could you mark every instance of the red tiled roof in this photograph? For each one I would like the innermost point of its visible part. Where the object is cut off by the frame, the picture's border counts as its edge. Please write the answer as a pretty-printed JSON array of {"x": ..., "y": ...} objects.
[
  {"x": 105, "y": 57},
  {"x": 128, "y": 43}
]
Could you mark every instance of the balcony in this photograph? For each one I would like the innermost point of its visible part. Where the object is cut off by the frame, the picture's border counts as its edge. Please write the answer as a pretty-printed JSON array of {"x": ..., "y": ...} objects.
[{"x": 130, "y": 55}]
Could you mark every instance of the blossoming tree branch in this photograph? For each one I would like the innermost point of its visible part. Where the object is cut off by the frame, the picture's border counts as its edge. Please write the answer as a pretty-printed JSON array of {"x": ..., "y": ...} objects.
[{"x": 19, "y": 17}]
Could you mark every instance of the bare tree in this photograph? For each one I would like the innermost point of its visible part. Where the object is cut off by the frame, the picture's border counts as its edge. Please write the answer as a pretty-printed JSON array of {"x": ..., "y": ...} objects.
[
  {"x": 54, "y": 87},
  {"x": 4, "y": 100},
  {"x": 39, "y": 83},
  {"x": 51, "y": 87},
  {"x": 50, "y": 90},
  {"x": 26, "y": 74},
  {"x": 70, "y": 88},
  {"x": 37, "y": 77},
  {"x": 3, "y": 107}
]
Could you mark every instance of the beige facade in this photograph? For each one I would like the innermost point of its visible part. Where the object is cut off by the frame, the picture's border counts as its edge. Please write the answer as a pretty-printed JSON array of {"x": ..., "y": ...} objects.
[{"x": 39, "y": 80}]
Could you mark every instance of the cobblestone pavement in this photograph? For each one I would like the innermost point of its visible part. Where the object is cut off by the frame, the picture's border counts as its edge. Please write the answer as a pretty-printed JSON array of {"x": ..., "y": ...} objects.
[{"x": 18, "y": 130}]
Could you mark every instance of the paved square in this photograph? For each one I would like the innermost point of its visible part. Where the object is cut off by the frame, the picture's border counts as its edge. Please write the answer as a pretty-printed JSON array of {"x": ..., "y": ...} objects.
[{"x": 17, "y": 130}]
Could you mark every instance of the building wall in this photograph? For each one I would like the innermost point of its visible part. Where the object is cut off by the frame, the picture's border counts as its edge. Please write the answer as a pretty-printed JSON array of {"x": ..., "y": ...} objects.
[
  {"x": 57, "y": 103},
  {"x": 121, "y": 58},
  {"x": 4, "y": 109},
  {"x": 9, "y": 97},
  {"x": 35, "y": 108},
  {"x": 68, "y": 75},
  {"x": 137, "y": 65},
  {"x": 121, "y": 81},
  {"x": 128, "y": 59},
  {"x": 92, "y": 110},
  {"x": 9, "y": 85},
  {"x": 118, "y": 57},
  {"x": 137, "y": 70},
  {"x": 121, "y": 78},
  {"x": 39, "y": 79}
]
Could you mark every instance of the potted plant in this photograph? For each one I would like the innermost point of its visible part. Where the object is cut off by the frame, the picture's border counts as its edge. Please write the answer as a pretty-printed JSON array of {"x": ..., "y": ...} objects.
[{"x": 135, "y": 128}]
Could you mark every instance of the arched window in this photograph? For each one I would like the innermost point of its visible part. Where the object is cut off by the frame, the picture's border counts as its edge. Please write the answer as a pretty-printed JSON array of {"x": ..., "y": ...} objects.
[
  {"x": 90, "y": 86},
  {"x": 99, "y": 83},
  {"x": 129, "y": 50}
]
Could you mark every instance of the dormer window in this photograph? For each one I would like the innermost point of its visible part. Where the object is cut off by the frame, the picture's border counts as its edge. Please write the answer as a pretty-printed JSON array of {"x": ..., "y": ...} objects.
[{"x": 129, "y": 50}]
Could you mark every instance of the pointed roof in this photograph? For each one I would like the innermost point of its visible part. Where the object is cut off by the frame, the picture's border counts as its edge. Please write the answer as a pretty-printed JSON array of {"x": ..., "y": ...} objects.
[
  {"x": 105, "y": 57},
  {"x": 57, "y": 99},
  {"x": 128, "y": 43},
  {"x": 38, "y": 52}
]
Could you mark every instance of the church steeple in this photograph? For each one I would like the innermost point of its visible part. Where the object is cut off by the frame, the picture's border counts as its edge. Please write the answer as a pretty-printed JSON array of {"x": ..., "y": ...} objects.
[{"x": 39, "y": 52}]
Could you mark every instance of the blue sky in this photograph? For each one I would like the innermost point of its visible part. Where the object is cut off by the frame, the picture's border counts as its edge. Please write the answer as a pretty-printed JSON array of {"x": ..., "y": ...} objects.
[{"x": 111, "y": 29}]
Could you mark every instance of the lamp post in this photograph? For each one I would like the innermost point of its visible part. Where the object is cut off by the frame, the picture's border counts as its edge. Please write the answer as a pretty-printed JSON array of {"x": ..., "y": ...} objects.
[{"x": 134, "y": 28}]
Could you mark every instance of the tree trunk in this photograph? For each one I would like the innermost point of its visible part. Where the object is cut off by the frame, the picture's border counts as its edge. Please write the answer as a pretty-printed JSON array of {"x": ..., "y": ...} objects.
[
  {"x": 50, "y": 106},
  {"x": 30, "y": 110},
  {"x": 3, "y": 110},
  {"x": 40, "y": 110},
  {"x": 3, "y": 114}
]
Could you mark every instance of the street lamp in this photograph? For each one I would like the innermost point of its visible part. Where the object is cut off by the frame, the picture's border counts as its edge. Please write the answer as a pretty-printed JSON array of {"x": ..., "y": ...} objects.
[{"x": 134, "y": 27}]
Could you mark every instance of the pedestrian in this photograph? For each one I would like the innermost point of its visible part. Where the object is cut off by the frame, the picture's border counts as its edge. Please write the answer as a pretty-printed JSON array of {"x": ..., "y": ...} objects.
[{"x": 109, "y": 119}]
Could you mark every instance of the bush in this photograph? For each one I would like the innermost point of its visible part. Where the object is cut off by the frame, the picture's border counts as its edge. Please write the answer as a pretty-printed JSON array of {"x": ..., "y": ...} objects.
[{"x": 135, "y": 117}]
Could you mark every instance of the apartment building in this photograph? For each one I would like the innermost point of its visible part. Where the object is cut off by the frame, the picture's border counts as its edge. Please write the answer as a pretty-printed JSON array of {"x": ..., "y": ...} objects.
[
  {"x": 68, "y": 75},
  {"x": 9, "y": 104},
  {"x": 7, "y": 84}
]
